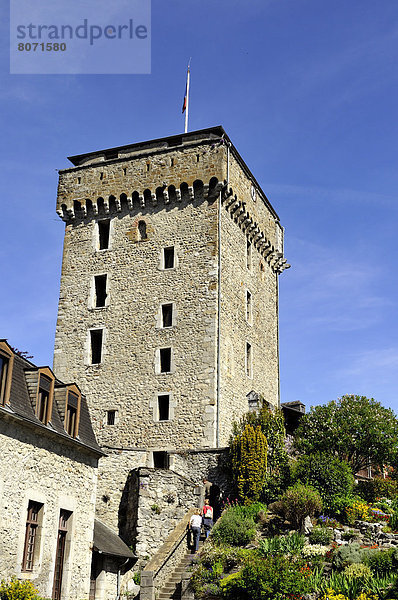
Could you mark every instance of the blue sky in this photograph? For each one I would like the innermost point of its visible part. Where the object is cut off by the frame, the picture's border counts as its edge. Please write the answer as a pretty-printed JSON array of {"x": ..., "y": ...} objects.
[{"x": 307, "y": 91}]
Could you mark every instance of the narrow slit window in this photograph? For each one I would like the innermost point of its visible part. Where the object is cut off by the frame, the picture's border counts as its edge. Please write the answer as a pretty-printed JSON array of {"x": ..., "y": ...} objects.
[
  {"x": 110, "y": 417},
  {"x": 103, "y": 233},
  {"x": 142, "y": 230},
  {"x": 248, "y": 307},
  {"x": 248, "y": 255},
  {"x": 165, "y": 360},
  {"x": 168, "y": 256},
  {"x": 248, "y": 359},
  {"x": 164, "y": 407},
  {"x": 96, "y": 336},
  {"x": 100, "y": 290},
  {"x": 167, "y": 315},
  {"x": 31, "y": 535}
]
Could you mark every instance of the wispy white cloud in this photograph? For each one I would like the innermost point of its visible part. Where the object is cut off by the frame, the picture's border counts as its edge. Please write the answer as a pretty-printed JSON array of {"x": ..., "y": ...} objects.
[
  {"x": 380, "y": 361},
  {"x": 328, "y": 290}
]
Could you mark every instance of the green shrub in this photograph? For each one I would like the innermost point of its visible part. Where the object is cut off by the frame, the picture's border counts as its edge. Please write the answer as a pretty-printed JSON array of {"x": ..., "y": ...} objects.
[
  {"x": 269, "y": 578},
  {"x": 233, "y": 529},
  {"x": 251, "y": 511},
  {"x": 357, "y": 571},
  {"x": 14, "y": 589},
  {"x": 371, "y": 489},
  {"x": 299, "y": 501},
  {"x": 329, "y": 475},
  {"x": 347, "y": 555},
  {"x": 321, "y": 535},
  {"x": 348, "y": 535},
  {"x": 284, "y": 544},
  {"x": 382, "y": 562},
  {"x": 393, "y": 521}
]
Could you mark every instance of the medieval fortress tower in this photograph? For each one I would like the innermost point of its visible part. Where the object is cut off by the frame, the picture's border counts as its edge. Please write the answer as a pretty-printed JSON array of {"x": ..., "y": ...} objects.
[{"x": 168, "y": 310}]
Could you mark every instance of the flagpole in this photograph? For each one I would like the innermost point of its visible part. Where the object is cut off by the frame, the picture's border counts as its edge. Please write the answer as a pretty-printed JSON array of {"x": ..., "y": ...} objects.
[{"x": 186, "y": 110}]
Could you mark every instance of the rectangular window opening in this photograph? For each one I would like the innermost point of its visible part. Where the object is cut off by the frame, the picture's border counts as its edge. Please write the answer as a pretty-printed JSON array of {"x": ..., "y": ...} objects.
[
  {"x": 248, "y": 359},
  {"x": 164, "y": 407},
  {"x": 168, "y": 256},
  {"x": 167, "y": 315},
  {"x": 4, "y": 364},
  {"x": 165, "y": 360},
  {"x": 31, "y": 535},
  {"x": 100, "y": 290},
  {"x": 103, "y": 233},
  {"x": 110, "y": 417},
  {"x": 160, "y": 460},
  {"x": 96, "y": 336}
]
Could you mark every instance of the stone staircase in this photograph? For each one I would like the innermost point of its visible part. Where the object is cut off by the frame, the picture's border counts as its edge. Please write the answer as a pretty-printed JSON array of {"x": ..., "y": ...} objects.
[{"x": 171, "y": 590}]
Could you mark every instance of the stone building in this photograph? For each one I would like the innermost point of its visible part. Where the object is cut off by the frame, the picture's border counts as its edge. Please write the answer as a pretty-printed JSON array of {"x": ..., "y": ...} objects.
[
  {"x": 168, "y": 310},
  {"x": 48, "y": 479},
  {"x": 48, "y": 483}
]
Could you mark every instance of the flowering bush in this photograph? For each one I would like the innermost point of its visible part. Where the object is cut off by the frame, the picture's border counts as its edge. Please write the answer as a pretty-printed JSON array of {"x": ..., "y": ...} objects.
[
  {"x": 358, "y": 510},
  {"x": 332, "y": 595},
  {"x": 314, "y": 550},
  {"x": 376, "y": 514},
  {"x": 18, "y": 590},
  {"x": 328, "y": 521}
]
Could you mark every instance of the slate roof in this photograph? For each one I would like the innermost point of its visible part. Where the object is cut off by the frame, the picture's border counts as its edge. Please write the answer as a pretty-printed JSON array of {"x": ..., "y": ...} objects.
[
  {"x": 20, "y": 405},
  {"x": 108, "y": 542}
]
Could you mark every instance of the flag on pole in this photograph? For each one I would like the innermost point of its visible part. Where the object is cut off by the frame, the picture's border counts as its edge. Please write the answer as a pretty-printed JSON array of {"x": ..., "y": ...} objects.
[
  {"x": 185, "y": 101},
  {"x": 185, "y": 104}
]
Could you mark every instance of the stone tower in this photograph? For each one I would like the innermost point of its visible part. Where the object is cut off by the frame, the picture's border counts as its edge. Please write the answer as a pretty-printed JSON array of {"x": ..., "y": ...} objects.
[{"x": 168, "y": 311}]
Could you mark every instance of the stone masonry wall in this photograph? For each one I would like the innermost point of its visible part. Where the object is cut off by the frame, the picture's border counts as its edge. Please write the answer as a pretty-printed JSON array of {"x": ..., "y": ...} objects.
[
  {"x": 197, "y": 464},
  {"x": 126, "y": 380},
  {"x": 159, "y": 500},
  {"x": 135, "y": 188},
  {"x": 260, "y": 328},
  {"x": 59, "y": 477},
  {"x": 113, "y": 486}
]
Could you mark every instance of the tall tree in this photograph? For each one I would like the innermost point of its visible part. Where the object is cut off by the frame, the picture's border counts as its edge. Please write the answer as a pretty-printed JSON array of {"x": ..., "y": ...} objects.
[
  {"x": 249, "y": 462},
  {"x": 358, "y": 429}
]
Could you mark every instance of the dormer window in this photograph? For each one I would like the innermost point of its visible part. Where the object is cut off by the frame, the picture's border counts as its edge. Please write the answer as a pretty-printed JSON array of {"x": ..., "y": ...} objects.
[
  {"x": 72, "y": 412},
  {"x": 44, "y": 401},
  {"x": 6, "y": 362}
]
